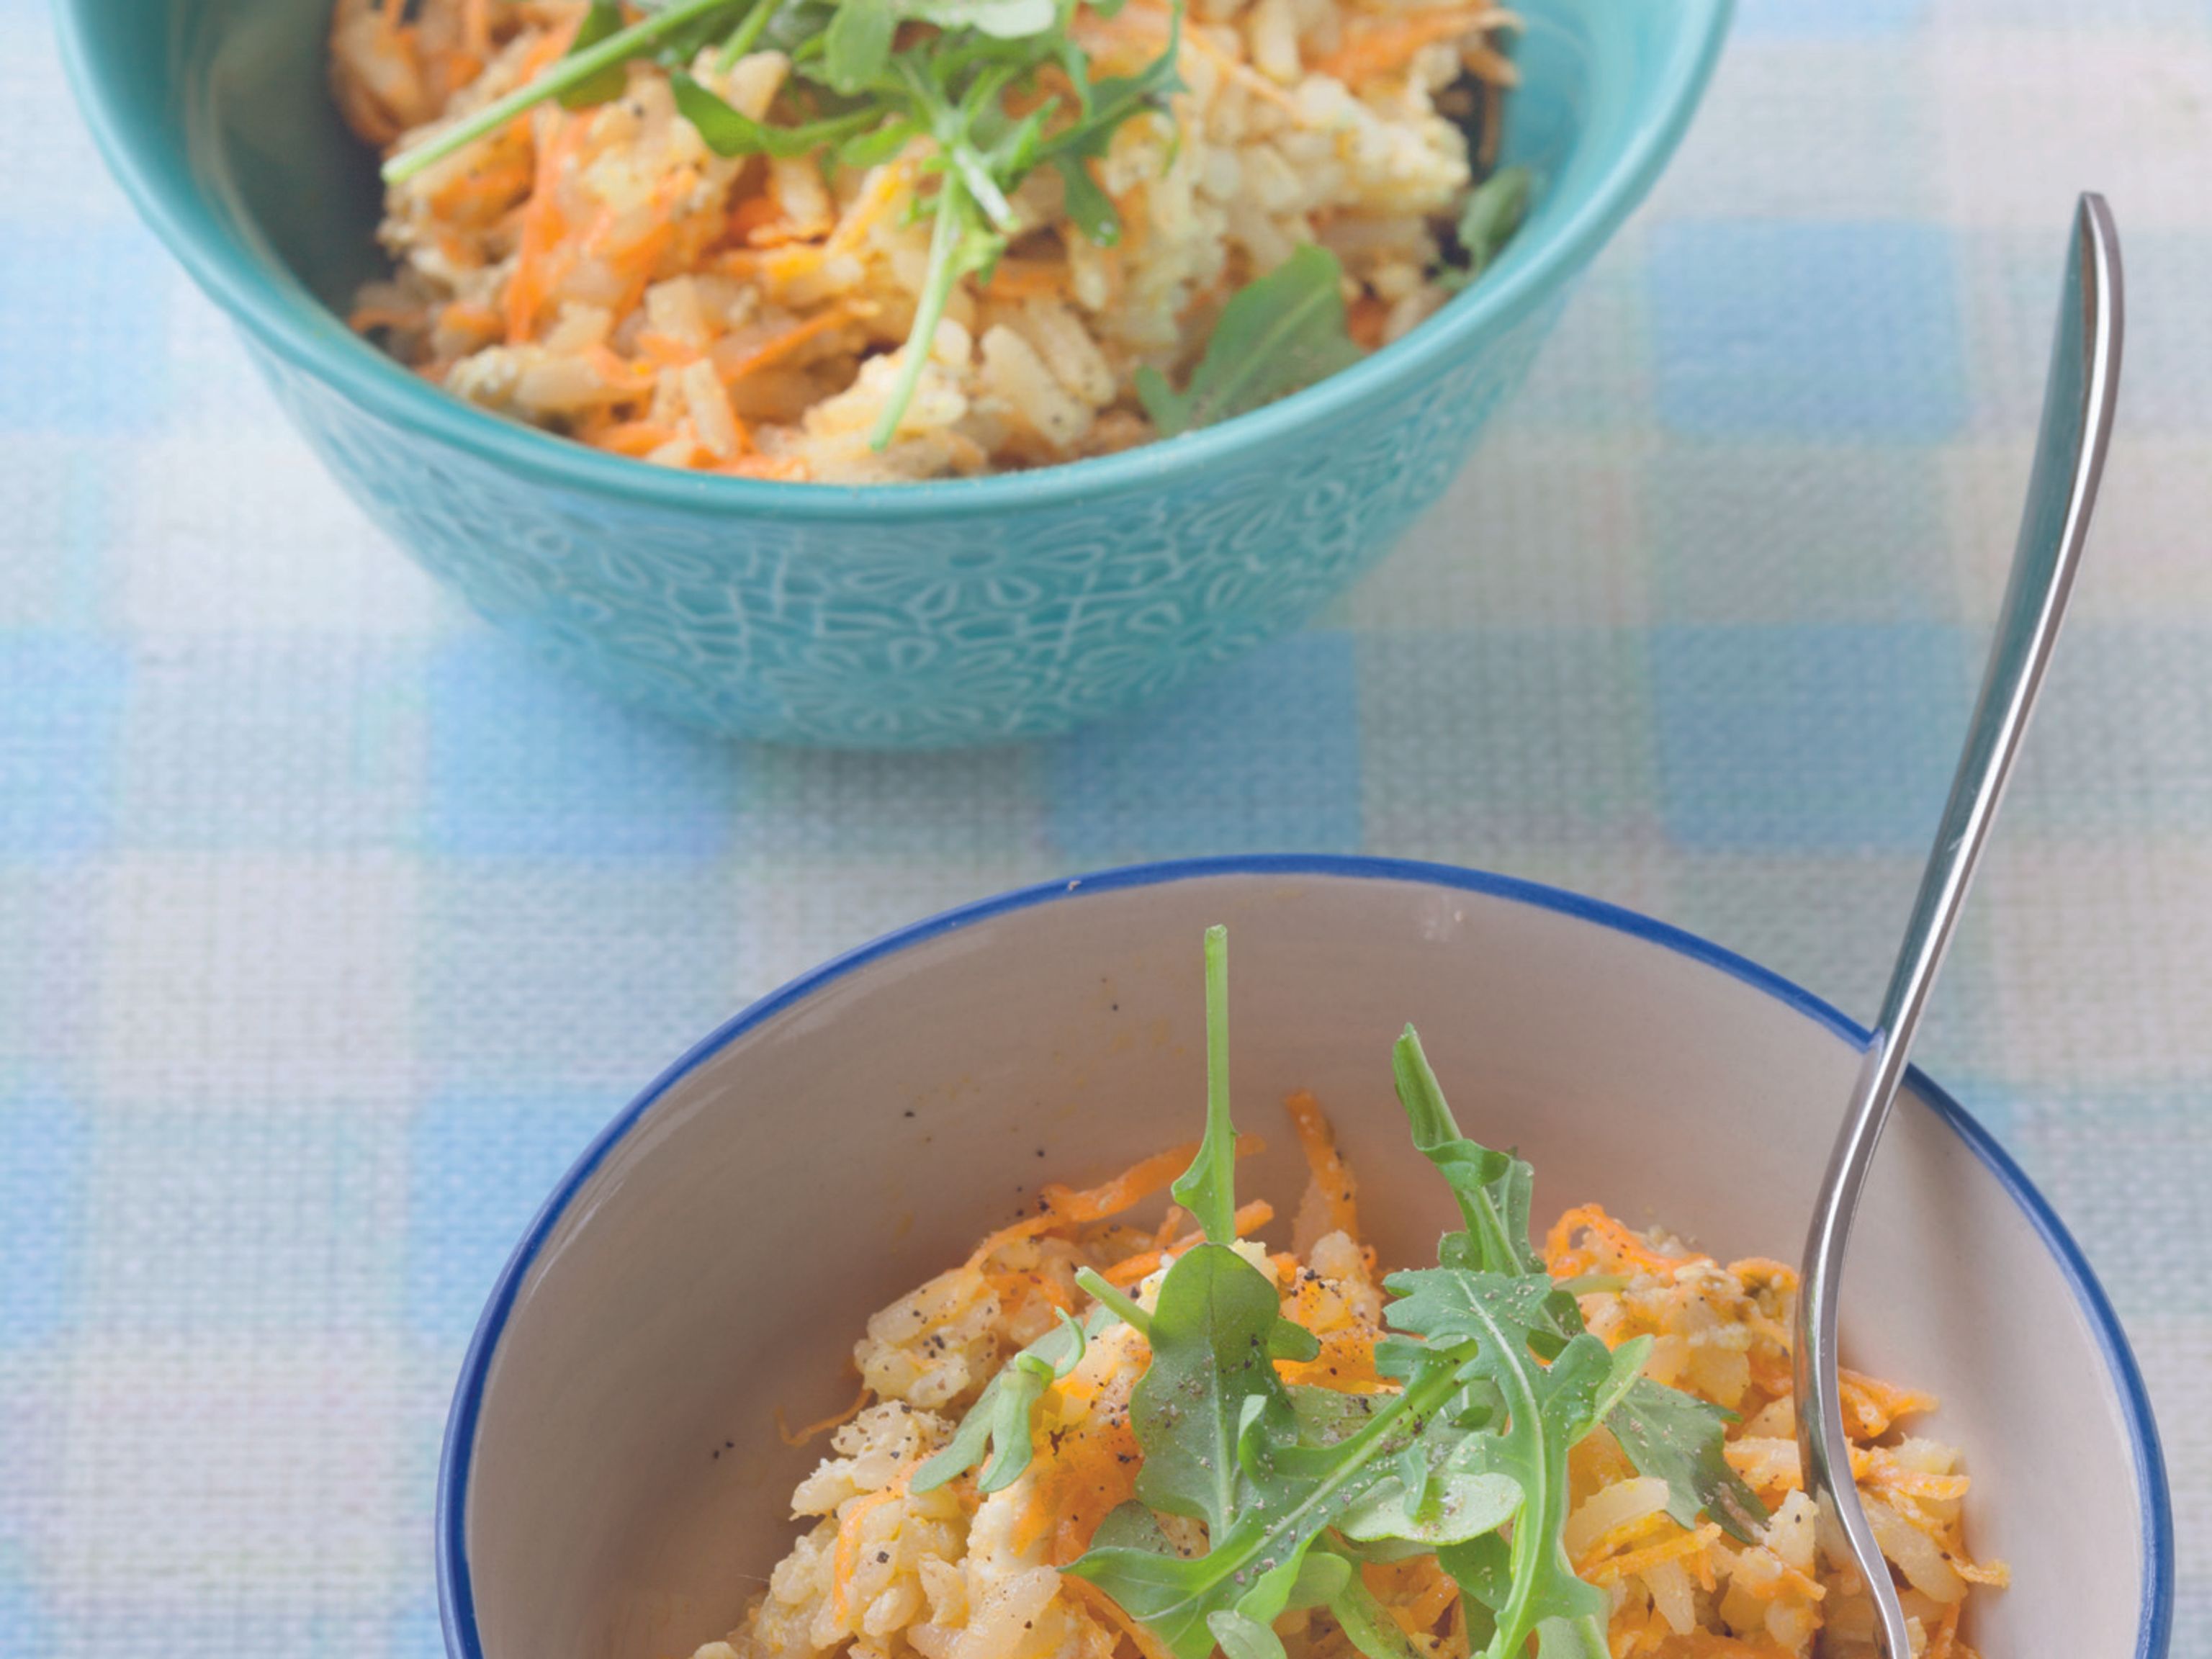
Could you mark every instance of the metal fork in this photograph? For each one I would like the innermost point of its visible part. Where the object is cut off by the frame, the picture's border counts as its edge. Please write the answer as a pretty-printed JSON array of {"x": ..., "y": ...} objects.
[{"x": 2070, "y": 457}]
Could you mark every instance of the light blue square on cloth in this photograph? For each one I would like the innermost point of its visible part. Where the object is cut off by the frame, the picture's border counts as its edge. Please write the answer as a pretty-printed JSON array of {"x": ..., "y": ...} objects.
[
  {"x": 316, "y": 745},
  {"x": 1549, "y": 732},
  {"x": 61, "y": 703},
  {"x": 1818, "y": 331},
  {"x": 565, "y": 970},
  {"x": 44, "y": 1142},
  {"x": 23, "y": 1627},
  {"x": 83, "y": 328},
  {"x": 1808, "y": 738},
  {"x": 1812, "y": 533},
  {"x": 524, "y": 763},
  {"x": 1264, "y": 757},
  {"x": 479, "y": 1166},
  {"x": 243, "y": 1224}
]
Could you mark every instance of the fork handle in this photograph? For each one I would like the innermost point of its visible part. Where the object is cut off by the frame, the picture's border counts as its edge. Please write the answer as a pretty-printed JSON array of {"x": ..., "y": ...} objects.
[{"x": 2069, "y": 458}]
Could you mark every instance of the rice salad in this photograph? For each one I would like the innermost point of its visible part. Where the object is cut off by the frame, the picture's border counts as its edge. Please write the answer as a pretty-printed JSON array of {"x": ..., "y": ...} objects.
[
  {"x": 738, "y": 253},
  {"x": 918, "y": 1546}
]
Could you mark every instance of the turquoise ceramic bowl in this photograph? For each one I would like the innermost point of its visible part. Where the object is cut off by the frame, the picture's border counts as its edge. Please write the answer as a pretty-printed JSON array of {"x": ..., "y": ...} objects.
[{"x": 963, "y": 611}]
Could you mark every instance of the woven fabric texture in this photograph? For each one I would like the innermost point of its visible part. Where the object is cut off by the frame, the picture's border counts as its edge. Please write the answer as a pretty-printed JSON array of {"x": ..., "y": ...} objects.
[{"x": 331, "y": 927}]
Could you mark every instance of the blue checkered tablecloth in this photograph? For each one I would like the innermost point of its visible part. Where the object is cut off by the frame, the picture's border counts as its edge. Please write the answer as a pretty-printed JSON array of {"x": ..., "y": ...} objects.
[{"x": 330, "y": 928}]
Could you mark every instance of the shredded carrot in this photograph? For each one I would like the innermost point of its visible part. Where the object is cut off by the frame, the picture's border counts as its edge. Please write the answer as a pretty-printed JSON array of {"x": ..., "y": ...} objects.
[
  {"x": 491, "y": 186},
  {"x": 1365, "y": 318},
  {"x": 1627, "y": 1532},
  {"x": 1615, "y": 1239},
  {"x": 751, "y": 214},
  {"x": 1331, "y": 1176},
  {"x": 1106, "y": 1607},
  {"x": 874, "y": 201},
  {"x": 631, "y": 380},
  {"x": 1345, "y": 1364},
  {"x": 468, "y": 316},
  {"x": 847, "y": 1558},
  {"x": 632, "y": 437},
  {"x": 791, "y": 1437},
  {"x": 1709, "y": 1644},
  {"x": 1870, "y": 1406},
  {"x": 1947, "y": 1634},
  {"x": 1017, "y": 1291},
  {"x": 782, "y": 347},
  {"x": 665, "y": 349},
  {"x": 1250, "y": 1218},
  {"x": 1387, "y": 47},
  {"x": 1673, "y": 1549},
  {"x": 784, "y": 468},
  {"x": 476, "y": 28},
  {"x": 1145, "y": 21},
  {"x": 1133, "y": 1269},
  {"x": 1416, "y": 1592},
  {"x": 541, "y": 230},
  {"x": 1026, "y": 279},
  {"x": 362, "y": 318},
  {"x": 1995, "y": 1574},
  {"x": 1757, "y": 1270}
]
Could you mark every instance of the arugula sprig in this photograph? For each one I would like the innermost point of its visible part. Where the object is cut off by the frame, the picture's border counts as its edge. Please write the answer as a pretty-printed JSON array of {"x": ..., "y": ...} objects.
[
  {"x": 1665, "y": 1432},
  {"x": 1003, "y": 1420},
  {"x": 951, "y": 91},
  {"x": 1467, "y": 1460},
  {"x": 1296, "y": 1486},
  {"x": 591, "y": 72},
  {"x": 1208, "y": 1188},
  {"x": 1279, "y": 334}
]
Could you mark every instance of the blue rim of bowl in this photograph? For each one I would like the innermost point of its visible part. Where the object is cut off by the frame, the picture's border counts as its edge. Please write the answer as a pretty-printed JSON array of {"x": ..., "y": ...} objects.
[
  {"x": 456, "y": 1599},
  {"x": 371, "y": 381}
]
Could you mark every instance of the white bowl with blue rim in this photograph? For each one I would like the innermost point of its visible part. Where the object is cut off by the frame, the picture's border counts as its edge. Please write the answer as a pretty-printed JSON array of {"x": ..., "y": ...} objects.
[{"x": 614, "y": 1485}]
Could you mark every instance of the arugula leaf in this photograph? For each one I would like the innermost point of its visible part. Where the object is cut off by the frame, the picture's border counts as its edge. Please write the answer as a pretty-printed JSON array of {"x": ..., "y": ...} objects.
[
  {"x": 960, "y": 246},
  {"x": 1254, "y": 1565},
  {"x": 1208, "y": 1188},
  {"x": 1211, "y": 1338},
  {"x": 1369, "y": 1624},
  {"x": 575, "y": 69},
  {"x": 1682, "y": 1441},
  {"x": 1090, "y": 208},
  {"x": 1006, "y": 20},
  {"x": 727, "y": 131},
  {"x": 1493, "y": 212},
  {"x": 1114, "y": 1300},
  {"x": 856, "y": 48},
  {"x": 1548, "y": 1409},
  {"x": 743, "y": 38},
  {"x": 1323, "y": 1577},
  {"x": 1460, "y": 1499},
  {"x": 1242, "y": 1637},
  {"x": 1004, "y": 1416},
  {"x": 1480, "y": 1178},
  {"x": 1279, "y": 335},
  {"x": 603, "y": 19},
  {"x": 1103, "y": 109},
  {"x": 1665, "y": 1433}
]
